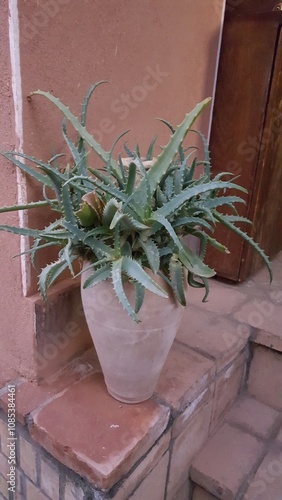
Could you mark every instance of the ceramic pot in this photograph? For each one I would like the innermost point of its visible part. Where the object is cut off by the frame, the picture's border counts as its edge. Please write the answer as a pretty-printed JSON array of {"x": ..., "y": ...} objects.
[{"x": 131, "y": 354}]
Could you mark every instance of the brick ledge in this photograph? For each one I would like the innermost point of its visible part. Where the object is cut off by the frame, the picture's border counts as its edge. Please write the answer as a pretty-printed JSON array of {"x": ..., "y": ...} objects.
[{"x": 107, "y": 442}]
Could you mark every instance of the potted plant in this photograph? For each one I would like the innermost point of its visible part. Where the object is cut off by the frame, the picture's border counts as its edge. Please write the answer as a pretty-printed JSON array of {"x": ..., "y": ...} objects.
[{"x": 127, "y": 225}]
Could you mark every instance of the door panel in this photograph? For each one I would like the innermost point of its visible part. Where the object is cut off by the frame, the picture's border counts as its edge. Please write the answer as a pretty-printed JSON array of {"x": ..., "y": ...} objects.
[
  {"x": 245, "y": 72},
  {"x": 266, "y": 206}
]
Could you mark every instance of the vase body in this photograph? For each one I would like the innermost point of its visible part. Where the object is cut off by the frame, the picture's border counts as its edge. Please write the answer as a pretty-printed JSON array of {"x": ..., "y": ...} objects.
[{"x": 131, "y": 354}]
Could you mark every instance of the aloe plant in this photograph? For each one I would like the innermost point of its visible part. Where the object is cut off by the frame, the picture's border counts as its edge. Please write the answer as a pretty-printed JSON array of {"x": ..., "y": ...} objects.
[{"x": 125, "y": 219}]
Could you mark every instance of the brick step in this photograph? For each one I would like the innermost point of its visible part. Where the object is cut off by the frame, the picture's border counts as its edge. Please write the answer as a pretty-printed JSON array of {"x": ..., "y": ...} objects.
[
  {"x": 243, "y": 460},
  {"x": 262, "y": 309},
  {"x": 265, "y": 376}
]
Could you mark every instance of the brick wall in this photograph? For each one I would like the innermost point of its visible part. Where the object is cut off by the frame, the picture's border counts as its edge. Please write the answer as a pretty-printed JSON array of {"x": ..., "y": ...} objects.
[
  {"x": 38, "y": 475},
  {"x": 64, "y": 426},
  {"x": 160, "y": 471}
]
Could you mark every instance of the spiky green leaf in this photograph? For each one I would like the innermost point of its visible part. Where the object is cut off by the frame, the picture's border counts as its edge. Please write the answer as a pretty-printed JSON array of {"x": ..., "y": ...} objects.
[
  {"x": 98, "y": 276},
  {"x": 98, "y": 247},
  {"x": 43, "y": 179},
  {"x": 246, "y": 238},
  {"x": 86, "y": 100},
  {"x": 191, "y": 192},
  {"x": 139, "y": 294},
  {"x": 111, "y": 208},
  {"x": 207, "y": 160},
  {"x": 88, "y": 138},
  {"x": 149, "y": 154},
  {"x": 33, "y": 233},
  {"x": 177, "y": 279},
  {"x": 67, "y": 206},
  {"x": 119, "y": 290},
  {"x": 49, "y": 274},
  {"x": 152, "y": 253},
  {"x": 15, "y": 208},
  {"x": 194, "y": 264},
  {"x": 168, "y": 153},
  {"x": 221, "y": 201},
  {"x": 131, "y": 178},
  {"x": 133, "y": 269}
]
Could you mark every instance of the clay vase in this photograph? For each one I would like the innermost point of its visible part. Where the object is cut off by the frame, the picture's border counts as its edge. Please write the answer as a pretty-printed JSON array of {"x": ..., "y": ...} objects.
[{"x": 131, "y": 354}]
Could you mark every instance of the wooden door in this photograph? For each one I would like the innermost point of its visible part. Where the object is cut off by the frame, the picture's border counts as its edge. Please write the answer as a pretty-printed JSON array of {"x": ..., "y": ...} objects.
[
  {"x": 266, "y": 197},
  {"x": 246, "y": 133}
]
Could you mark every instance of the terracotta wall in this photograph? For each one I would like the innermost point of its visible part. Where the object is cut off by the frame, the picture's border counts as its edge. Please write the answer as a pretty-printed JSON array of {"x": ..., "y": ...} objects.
[
  {"x": 160, "y": 59},
  {"x": 16, "y": 319}
]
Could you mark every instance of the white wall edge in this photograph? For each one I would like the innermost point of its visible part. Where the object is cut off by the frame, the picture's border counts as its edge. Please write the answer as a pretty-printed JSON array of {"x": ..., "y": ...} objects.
[
  {"x": 216, "y": 67},
  {"x": 14, "y": 43}
]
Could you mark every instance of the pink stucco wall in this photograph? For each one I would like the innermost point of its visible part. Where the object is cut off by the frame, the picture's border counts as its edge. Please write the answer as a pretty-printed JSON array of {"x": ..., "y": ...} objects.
[
  {"x": 159, "y": 57},
  {"x": 16, "y": 314}
]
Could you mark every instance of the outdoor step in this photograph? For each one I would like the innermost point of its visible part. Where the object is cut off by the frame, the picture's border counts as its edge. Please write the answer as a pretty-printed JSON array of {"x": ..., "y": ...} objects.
[
  {"x": 243, "y": 460},
  {"x": 263, "y": 307},
  {"x": 265, "y": 376}
]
